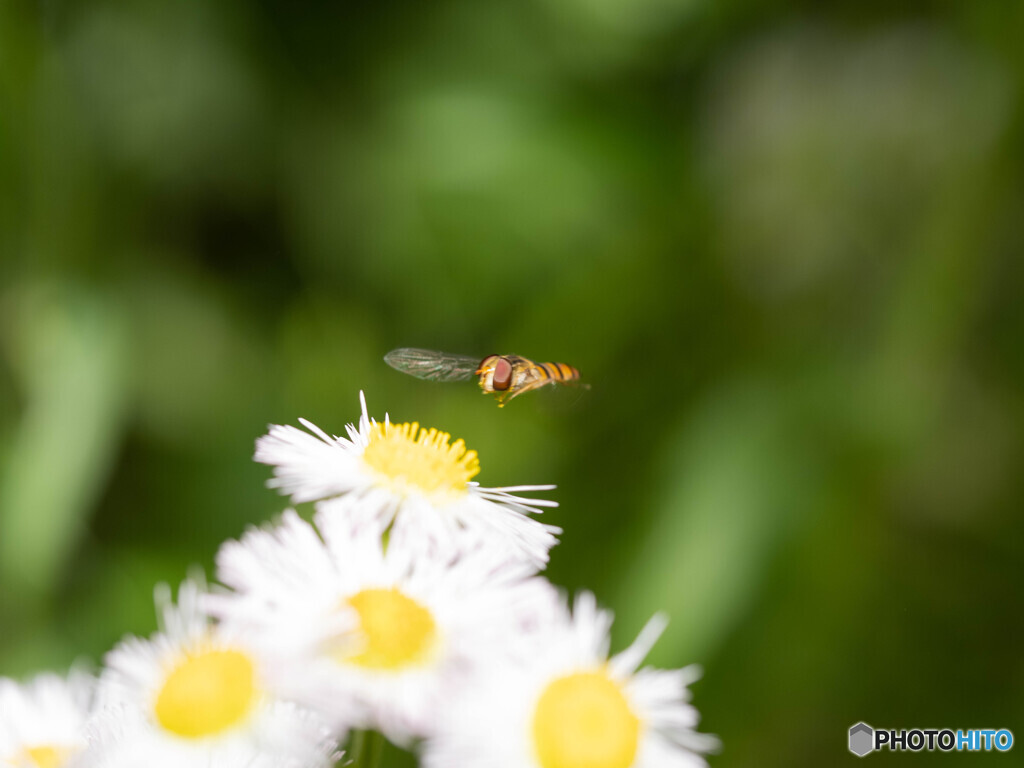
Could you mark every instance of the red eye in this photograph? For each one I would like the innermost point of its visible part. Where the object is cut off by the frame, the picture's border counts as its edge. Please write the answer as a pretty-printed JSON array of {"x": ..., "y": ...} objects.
[{"x": 502, "y": 375}]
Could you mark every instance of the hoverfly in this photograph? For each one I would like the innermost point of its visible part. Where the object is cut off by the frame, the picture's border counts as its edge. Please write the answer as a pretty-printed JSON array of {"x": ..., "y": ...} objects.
[{"x": 505, "y": 376}]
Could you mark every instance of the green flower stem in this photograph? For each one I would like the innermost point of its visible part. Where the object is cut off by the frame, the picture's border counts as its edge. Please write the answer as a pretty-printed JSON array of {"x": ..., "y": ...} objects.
[{"x": 365, "y": 749}]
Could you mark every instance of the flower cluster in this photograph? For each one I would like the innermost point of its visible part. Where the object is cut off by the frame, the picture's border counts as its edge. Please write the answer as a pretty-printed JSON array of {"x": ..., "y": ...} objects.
[{"x": 410, "y": 606}]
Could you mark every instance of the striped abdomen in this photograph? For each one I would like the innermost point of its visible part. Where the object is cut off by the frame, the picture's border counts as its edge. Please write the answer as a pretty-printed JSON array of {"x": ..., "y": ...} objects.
[{"x": 557, "y": 371}]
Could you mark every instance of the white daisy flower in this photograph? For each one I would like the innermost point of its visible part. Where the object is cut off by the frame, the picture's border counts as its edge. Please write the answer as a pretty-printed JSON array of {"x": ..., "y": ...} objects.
[
  {"x": 409, "y": 479},
  {"x": 194, "y": 694},
  {"x": 571, "y": 706},
  {"x": 373, "y": 638},
  {"x": 42, "y": 722},
  {"x": 121, "y": 737}
]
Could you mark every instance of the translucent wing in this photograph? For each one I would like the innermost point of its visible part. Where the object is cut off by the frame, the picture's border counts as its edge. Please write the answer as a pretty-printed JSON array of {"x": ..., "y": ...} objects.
[{"x": 432, "y": 366}]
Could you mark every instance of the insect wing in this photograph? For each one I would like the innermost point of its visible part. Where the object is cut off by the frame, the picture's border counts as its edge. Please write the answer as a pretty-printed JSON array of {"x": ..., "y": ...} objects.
[{"x": 432, "y": 366}]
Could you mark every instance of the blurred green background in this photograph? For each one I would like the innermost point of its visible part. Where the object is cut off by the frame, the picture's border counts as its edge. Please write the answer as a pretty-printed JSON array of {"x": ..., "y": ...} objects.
[{"x": 781, "y": 240}]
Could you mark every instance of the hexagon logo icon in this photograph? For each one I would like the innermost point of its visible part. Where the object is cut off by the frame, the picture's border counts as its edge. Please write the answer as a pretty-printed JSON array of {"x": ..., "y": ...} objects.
[{"x": 862, "y": 739}]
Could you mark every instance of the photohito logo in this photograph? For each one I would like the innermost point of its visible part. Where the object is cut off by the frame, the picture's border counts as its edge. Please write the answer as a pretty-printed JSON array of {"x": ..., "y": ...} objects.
[{"x": 865, "y": 739}]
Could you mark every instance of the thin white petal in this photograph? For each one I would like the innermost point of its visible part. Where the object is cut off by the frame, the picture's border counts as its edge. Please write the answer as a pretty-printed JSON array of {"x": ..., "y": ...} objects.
[{"x": 627, "y": 662}]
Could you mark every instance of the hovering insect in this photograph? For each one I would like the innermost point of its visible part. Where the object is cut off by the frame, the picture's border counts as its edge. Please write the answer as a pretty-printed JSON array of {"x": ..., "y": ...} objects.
[{"x": 505, "y": 376}]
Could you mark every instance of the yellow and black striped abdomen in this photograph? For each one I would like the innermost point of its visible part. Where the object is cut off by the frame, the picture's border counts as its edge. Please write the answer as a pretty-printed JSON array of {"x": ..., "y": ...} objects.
[{"x": 558, "y": 371}]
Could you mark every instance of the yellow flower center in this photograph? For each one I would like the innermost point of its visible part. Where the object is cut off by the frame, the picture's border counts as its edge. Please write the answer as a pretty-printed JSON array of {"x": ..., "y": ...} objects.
[
  {"x": 582, "y": 720},
  {"x": 394, "y": 630},
  {"x": 46, "y": 756},
  {"x": 409, "y": 455},
  {"x": 208, "y": 692}
]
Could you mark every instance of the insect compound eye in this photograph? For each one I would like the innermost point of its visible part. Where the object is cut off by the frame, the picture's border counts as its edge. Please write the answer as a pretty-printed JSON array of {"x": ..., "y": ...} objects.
[{"x": 502, "y": 375}]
